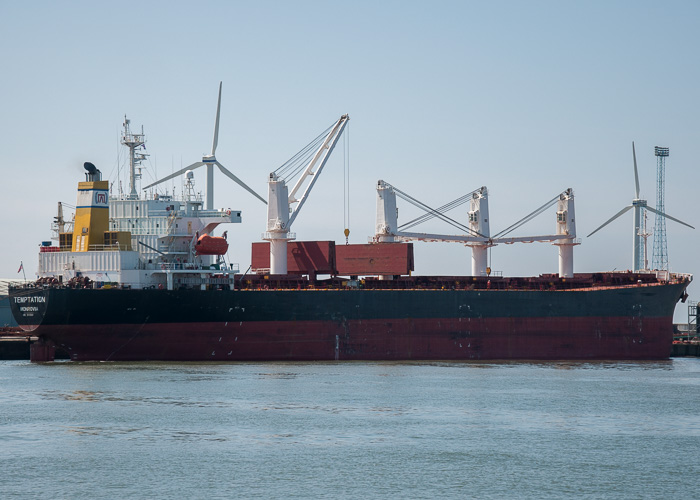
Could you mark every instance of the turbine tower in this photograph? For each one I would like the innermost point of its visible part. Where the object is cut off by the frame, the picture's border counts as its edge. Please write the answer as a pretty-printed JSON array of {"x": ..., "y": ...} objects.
[
  {"x": 660, "y": 252},
  {"x": 638, "y": 234},
  {"x": 210, "y": 160}
]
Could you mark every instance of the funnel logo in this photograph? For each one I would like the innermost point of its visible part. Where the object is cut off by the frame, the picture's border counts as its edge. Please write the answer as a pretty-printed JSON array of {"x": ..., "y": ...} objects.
[{"x": 93, "y": 198}]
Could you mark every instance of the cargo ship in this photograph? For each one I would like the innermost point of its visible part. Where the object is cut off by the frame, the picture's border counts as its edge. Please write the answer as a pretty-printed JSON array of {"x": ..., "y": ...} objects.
[{"x": 144, "y": 278}]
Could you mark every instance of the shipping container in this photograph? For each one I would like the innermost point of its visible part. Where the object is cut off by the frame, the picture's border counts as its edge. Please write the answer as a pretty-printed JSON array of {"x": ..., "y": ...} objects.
[
  {"x": 374, "y": 259},
  {"x": 303, "y": 257}
]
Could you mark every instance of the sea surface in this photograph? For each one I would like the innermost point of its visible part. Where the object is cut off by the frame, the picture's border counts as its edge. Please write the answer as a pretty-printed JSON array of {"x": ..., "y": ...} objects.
[{"x": 350, "y": 430}]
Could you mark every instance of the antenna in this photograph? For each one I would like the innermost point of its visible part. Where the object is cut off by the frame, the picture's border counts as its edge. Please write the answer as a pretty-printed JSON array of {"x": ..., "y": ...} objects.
[
  {"x": 133, "y": 142},
  {"x": 189, "y": 185}
]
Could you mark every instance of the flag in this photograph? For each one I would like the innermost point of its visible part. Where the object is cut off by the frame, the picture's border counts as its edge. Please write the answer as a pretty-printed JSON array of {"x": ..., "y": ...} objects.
[{"x": 21, "y": 266}]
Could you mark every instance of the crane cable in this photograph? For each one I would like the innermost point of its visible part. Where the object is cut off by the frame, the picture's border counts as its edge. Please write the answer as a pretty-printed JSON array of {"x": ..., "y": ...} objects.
[
  {"x": 445, "y": 208},
  {"x": 346, "y": 183},
  {"x": 300, "y": 160},
  {"x": 435, "y": 213},
  {"x": 527, "y": 218}
]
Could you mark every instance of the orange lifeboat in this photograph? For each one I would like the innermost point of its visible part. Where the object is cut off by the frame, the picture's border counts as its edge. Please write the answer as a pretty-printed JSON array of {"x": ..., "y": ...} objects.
[{"x": 211, "y": 245}]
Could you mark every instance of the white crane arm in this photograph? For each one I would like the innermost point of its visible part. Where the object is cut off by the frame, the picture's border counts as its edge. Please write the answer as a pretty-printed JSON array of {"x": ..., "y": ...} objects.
[
  {"x": 320, "y": 157},
  {"x": 405, "y": 236},
  {"x": 531, "y": 239},
  {"x": 446, "y": 238}
]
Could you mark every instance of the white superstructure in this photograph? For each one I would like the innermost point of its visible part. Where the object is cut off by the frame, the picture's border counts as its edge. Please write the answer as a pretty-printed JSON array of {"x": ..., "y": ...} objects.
[{"x": 139, "y": 242}]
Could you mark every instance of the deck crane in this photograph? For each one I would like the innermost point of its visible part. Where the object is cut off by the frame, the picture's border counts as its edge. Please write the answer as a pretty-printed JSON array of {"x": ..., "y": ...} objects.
[
  {"x": 283, "y": 206},
  {"x": 478, "y": 232}
]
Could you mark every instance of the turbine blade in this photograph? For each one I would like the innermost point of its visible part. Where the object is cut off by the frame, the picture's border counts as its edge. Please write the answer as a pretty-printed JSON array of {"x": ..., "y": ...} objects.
[
  {"x": 618, "y": 214},
  {"x": 668, "y": 216},
  {"x": 239, "y": 182},
  {"x": 216, "y": 125},
  {"x": 179, "y": 172},
  {"x": 636, "y": 175}
]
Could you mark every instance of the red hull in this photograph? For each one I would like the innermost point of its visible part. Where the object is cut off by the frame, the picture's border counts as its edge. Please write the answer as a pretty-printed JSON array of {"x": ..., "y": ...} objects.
[{"x": 417, "y": 339}]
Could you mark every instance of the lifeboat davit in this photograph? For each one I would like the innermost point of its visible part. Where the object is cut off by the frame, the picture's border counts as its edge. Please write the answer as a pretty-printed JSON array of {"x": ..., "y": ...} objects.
[{"x": 211, "y": 245}]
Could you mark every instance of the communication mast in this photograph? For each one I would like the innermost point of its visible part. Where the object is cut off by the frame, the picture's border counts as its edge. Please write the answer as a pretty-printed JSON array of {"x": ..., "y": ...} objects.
[
  {"x": 133, "y": 142},
  {"x": 660, "y": 252}
]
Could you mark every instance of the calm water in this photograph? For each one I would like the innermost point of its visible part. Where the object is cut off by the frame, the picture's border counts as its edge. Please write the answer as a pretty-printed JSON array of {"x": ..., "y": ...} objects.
[{"x": 350, "y": 430}]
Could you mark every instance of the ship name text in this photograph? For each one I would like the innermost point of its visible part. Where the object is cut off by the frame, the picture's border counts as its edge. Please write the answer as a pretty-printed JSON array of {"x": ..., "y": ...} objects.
[{"x": 25, "y": 300}]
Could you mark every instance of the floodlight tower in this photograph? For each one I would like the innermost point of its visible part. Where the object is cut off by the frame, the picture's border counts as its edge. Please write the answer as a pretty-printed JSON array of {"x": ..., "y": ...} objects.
[{"x": 660, "y": 252}]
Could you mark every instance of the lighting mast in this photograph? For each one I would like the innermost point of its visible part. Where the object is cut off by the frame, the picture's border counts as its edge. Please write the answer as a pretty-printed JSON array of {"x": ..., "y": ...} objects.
[{"x": 660, "y": 252}]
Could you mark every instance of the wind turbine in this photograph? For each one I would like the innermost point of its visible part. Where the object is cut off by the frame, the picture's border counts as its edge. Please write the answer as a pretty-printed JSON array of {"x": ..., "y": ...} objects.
[
  {"x": 639, "y": 206},
  {"x": 210, "y": 160}
]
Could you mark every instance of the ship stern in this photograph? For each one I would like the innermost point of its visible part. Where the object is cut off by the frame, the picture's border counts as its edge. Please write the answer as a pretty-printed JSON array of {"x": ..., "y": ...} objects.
[{"x": 28, "y": 305}]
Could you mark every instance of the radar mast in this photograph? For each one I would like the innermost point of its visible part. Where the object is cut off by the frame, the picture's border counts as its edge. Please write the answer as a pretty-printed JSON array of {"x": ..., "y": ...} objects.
[{"x": 133, "y": 142}]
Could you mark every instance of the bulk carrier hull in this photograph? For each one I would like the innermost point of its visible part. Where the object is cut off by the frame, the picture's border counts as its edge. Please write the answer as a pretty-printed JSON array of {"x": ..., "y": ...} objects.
[
  {"x": 626, "y": 322},
  {"x": 144, "y": 278}
]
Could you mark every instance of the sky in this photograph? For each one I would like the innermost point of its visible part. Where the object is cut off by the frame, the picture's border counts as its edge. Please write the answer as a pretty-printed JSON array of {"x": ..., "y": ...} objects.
[{"x": 526, "y": 98}]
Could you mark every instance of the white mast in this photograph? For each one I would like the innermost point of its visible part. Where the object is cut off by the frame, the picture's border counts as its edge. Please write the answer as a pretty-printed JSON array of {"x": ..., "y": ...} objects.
[
  {"x": 387, "y": 216},
  {"x": 387, "y": 213},
  {"x": 566, "y": 225},
  {"x": 479, "y": 223},
  {"x": 133, "y": 142},
  {"x": 278, "y": 233},
  {"x": 60, "y": 221}
]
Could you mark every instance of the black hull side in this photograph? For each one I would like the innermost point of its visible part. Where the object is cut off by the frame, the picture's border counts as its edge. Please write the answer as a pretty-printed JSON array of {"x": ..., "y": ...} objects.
[{"x": 632, "y": 322}]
